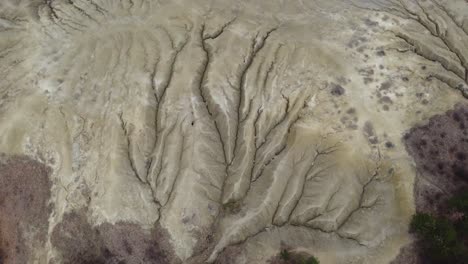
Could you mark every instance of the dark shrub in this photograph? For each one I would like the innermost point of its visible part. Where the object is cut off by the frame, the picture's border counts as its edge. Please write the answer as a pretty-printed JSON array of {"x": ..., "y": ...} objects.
[
  {"x": 285, "y": 254},
  {"x": 312, "y": 260},
  {"x": 439, "y": 239},
  {"x": 459, "y": 202}
]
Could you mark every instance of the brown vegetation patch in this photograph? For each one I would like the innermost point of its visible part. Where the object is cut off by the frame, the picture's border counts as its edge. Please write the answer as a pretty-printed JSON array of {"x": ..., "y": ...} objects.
[
  {"x": 409, "y": 254},
  {"x": 440, "y": 150},
  {"x": 24, "y": 207},
  {"x": 369, "y": 133},
  {"x": 229, "y": 255},
  {"x": 337, "y": 90},
  {"x": 122, "y": 243},
  {"x": 286, "y": 256}
]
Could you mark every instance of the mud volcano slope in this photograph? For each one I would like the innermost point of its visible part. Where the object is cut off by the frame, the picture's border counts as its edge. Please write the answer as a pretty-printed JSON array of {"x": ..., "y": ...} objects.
[{"x": 159, "y": 131}]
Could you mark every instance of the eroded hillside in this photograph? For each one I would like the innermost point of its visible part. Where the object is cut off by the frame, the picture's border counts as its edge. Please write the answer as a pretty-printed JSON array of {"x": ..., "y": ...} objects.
[{"x": 218, "y": 131}]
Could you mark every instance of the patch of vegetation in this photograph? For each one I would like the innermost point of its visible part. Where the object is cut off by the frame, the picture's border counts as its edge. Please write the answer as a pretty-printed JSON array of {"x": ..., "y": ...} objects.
[
  {"x": 296, "y": 258},
  {"x": 443, "y": 238},
  {"x": 285, "y": 255},
  {"x": 81, "y": 243},
  {"x": 459, "y": 202},
  {"x": 232, "y": 207},
  {"x": 459, "y": 205},
  {"x": 311, "y": 260}
]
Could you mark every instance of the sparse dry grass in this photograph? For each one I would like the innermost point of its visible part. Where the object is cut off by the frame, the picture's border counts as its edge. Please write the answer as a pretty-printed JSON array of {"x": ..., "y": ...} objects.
[{"x": 24, "y": 206}]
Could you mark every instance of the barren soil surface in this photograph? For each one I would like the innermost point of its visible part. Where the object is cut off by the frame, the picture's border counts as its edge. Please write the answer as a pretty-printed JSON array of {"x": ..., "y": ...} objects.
[{"x": 216, "y": 131}]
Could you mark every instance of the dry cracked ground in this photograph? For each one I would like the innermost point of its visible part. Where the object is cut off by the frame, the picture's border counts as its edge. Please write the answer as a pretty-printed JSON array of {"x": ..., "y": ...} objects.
[{"x": 217, "y": 131}]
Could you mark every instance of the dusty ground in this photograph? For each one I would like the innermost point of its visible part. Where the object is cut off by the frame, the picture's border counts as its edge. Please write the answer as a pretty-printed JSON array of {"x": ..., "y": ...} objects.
[{"x": 221, "y": 131}]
